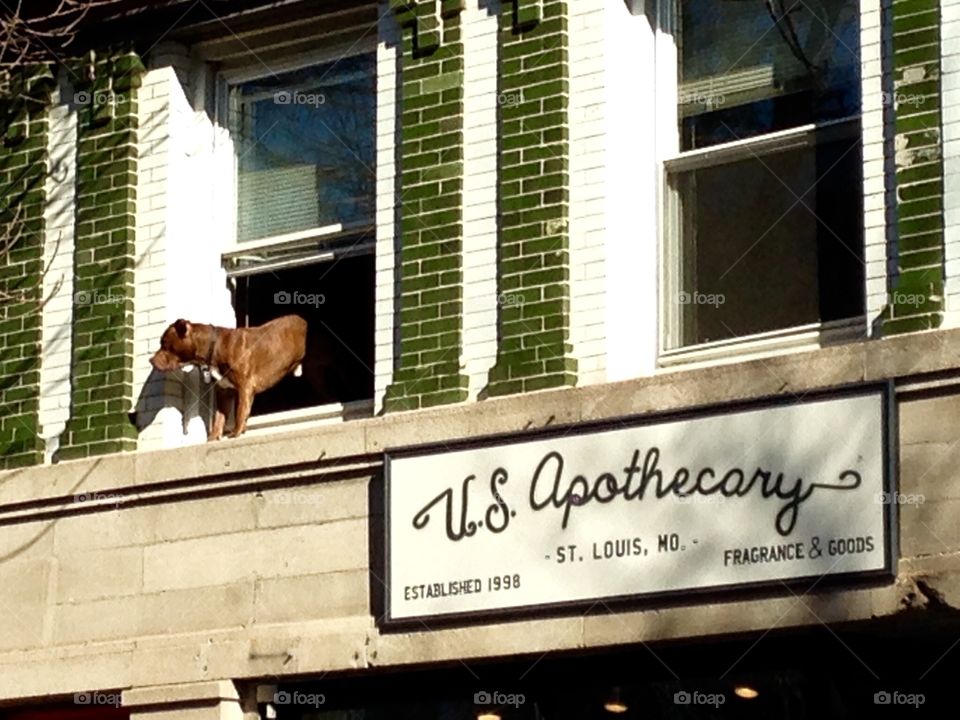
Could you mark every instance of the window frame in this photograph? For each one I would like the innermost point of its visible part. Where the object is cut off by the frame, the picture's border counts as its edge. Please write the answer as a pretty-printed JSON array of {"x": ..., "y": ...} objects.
[
  {"x": 305, "y": 247},
  {"x": 225, "y": 81},
  {"x": 671, "y": 159}
]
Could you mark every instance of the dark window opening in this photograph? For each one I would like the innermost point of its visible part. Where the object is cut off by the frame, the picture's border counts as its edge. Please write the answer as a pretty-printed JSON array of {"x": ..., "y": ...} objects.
[
  {"x": 336, "y": 298},
  {"x": 771, "y": 242}
]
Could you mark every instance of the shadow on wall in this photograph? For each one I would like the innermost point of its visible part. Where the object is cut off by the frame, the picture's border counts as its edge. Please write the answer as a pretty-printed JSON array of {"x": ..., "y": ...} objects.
[{"x": 183, "y": 390}]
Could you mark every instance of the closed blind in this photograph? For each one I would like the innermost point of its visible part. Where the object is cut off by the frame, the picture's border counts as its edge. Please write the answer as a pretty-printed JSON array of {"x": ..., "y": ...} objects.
[{"x": 277, "y": 201}]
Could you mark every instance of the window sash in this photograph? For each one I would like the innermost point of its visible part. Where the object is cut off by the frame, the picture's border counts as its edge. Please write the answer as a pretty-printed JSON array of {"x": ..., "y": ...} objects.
[
  {"x": 671, "y": 240},
  {"x": 226, "y": 109}
]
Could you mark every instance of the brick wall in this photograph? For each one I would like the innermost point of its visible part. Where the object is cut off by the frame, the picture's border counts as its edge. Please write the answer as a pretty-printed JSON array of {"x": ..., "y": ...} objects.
[
  {"x": 878, "y": 194},
  {"x": 916, "y": 302},
  {"x": 479, "y": 22},
  {"x": 588, "y": 39},
  {"x": 386, "y": 332},
  {"x": 23, "y": 170},
  {"x": 181, "y": 233},
  {"x": 59, "y": 214},
  {"x": 104, "y": 260},
  {"x": 533, "y": 275},
  {"x": 427, "y": 371},
  {"x": 631, "y": 271},
  {"x": 950, "y": 67}
]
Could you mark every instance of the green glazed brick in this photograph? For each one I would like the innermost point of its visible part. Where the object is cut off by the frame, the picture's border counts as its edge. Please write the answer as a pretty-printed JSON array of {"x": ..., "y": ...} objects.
[
  {"x": 904, "y": 24},
  {"x": 431, "y": 189},
  {"x": 917, "y": 56},
  {"x": 919, "y": 171},
  {"x": 104, "y": 262}
]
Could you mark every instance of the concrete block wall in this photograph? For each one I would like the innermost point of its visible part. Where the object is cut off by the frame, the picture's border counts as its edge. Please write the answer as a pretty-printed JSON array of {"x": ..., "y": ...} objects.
[
  {"x": 201, "y": 565},
  {"x": 950, "y": 110},
  {"x": 244, "y": 561}
]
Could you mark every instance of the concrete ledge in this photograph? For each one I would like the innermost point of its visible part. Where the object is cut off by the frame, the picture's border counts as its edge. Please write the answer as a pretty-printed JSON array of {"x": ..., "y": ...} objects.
[
  {"x": 317, "y": 451},
  {"x": 201, "y": 693}
]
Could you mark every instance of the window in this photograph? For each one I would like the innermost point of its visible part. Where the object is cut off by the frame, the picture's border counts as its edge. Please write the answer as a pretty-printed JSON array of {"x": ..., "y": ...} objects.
[
  {"x": 305, "y": 148},
  {"x": 304, "y": 142},
  {"x": 764, "y": 210}
]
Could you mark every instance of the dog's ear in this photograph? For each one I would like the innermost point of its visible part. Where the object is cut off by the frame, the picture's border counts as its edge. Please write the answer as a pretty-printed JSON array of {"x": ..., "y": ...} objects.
[{"x": 182, "y": 327}]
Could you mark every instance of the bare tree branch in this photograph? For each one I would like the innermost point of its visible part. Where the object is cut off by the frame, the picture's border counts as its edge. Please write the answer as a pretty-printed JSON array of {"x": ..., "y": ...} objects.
[{"x": 43, "y": 31}]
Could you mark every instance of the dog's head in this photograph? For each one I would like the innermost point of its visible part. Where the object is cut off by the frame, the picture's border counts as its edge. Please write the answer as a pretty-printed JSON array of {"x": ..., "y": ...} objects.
[{"x": 177, "y": 347}]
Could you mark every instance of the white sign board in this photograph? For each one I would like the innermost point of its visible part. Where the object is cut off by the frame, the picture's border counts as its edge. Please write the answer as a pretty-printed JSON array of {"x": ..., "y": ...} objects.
[{"x": 750, "y": 495}]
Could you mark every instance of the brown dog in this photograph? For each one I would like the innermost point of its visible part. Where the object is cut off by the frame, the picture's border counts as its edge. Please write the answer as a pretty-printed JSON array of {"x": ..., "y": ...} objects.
[{"x": 246, "y": 361}]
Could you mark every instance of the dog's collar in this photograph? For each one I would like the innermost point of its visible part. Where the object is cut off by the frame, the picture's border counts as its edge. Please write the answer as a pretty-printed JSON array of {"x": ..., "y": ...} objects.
[{"x": 213, "y": 345}]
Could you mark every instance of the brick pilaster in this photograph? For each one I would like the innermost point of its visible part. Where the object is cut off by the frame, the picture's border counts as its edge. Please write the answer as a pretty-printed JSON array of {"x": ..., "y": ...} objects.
[
  {"x": 23, "y": 171},
  {"x": 102, "y": 363},
  {"x": 534, "y": 350},
  {"x": 916, "y": 301},
  {"x": 427, "y": 370}
]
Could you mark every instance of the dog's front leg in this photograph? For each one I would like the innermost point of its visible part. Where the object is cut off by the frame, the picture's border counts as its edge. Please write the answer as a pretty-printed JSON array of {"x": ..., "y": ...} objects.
[
  {"x": 224, "y": 399},
  {"x": 244, "y": 403}
]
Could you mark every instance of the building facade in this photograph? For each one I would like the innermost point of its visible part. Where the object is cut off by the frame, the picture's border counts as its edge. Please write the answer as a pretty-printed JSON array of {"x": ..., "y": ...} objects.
[{"x": 669, "y": 289}]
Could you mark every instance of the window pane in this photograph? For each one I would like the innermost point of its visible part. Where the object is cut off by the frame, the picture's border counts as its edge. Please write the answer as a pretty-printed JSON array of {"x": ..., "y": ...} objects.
[
  {"x": 305, "y": 144},
  {"x": 769, "y": 243},
  {"x": 748, "y": 68}
]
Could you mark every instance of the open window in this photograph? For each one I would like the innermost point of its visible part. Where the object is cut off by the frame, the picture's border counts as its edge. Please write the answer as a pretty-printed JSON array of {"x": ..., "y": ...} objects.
[
  {"x": 305, "y": 175},
  {"x": 763, "y": 214}
]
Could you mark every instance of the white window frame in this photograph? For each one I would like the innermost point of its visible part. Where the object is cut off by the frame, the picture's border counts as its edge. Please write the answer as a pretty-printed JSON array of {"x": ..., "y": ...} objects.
[
  {"x": 315, "y": 238},
  {"x": 671, "y": 160},
  {"x": 235, "y": 249}
]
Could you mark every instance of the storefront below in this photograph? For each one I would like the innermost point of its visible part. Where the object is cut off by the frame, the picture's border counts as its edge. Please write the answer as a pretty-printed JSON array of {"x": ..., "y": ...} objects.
[{"x": 813, "y": 675}]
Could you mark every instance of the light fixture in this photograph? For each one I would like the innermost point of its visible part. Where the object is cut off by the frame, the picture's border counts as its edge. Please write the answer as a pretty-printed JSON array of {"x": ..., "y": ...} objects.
[
  {"x": 745, "y": 691},
  {"x": 488, "y": 715},
  {"x": 614, "y": 704}
]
